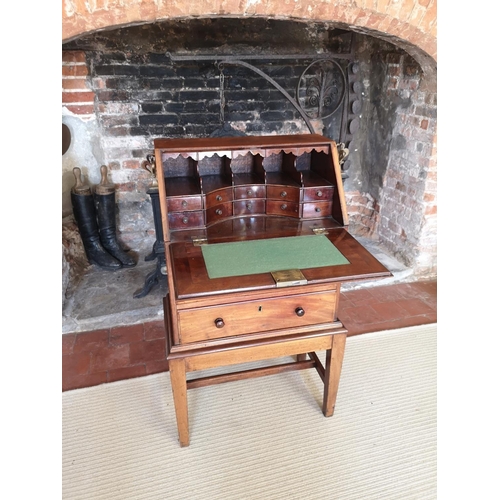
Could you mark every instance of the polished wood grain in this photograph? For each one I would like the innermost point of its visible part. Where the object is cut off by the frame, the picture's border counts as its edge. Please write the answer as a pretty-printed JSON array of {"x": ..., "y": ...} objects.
[{"x": 245, "y": 188}]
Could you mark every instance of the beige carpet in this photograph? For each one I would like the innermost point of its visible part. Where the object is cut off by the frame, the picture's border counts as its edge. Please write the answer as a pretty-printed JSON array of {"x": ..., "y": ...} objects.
[{"x": 265, "y": 438}]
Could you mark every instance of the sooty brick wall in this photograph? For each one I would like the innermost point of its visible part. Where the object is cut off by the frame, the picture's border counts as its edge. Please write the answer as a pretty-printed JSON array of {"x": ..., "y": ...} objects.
[{"x": 140, "y": 93}]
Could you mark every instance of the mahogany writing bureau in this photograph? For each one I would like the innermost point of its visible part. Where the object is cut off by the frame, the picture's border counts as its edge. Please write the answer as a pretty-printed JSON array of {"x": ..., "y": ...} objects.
[{"x": 256, "y": 247}]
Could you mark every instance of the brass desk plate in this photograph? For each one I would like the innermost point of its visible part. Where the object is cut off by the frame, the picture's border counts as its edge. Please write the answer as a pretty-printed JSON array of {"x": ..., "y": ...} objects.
[{"x": 289, "y": 277}]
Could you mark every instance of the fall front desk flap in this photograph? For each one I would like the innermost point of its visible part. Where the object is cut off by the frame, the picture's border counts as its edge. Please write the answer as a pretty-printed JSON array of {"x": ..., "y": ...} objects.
[{"x": 242, "y": 258}]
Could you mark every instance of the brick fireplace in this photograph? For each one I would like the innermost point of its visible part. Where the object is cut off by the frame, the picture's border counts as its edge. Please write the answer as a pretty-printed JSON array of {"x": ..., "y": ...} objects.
[
  {"x": 121, "y": 90},
  {"x": 134, "y": 71}
]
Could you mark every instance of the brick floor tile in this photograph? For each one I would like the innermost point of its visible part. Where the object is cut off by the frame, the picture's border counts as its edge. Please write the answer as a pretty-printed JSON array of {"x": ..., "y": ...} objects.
[
  {"x": 154, "y": 330},
  {"x": 388, "y": 311},
  {"x": 361, "y": 315},
  {"x": 91, "y": 341},
  {"x": 76, "y": 364},
  {"x": 110, "y": 358},
  {"x": 68, "y": 341},
  {"x": 415, "y": 307},
  {"x": 126, "y": 373},
  {"x": 157, "y": 366},
  {"x": 363, "y": 297},
  {"x": 126, "y": 334},
  {"x": 80, "y": 381},
  {"x": 150, "y": 350}
]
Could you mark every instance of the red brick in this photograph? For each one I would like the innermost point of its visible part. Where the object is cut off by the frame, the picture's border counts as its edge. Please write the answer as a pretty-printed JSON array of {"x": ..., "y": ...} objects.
[
  {"x": 126, "y": 373},
  {"x": 73, "y": 56},
  {"x": 91, "y": 341},
  {"x": 154, "y": 330},
  {"x": 360, "y": 315},
  {"x": 77, "y": 97},
  {"x": 80, "y": 381},
  {"x": 74, "y": 83},
  {"x": 157, "y": 366},
  {"x": 361, "y": 297},
  {"x": 75, "y": 364},
  {"x": 132, "y": 164},
  {"x": 110, "y": 358},
  {"x": 126, "y": 334},
  {"x": 79, "y": 70},
  {"x": 150, "y": 350},
  {"x": 68, "y": 341},
  {"x": 87, "y": 109},
  {"x": 387, "y": 311},
  {"x": 415, "y": 307}
]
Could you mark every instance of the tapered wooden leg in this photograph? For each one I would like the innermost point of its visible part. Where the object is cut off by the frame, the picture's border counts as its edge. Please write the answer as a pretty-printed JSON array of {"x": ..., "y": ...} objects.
[
  {"x": 179, "y": 389},
  {"x": 333, "y": 367}
]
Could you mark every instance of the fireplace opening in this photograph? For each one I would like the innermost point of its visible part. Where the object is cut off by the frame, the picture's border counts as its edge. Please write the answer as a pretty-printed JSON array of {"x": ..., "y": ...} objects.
[{"x": 124, "y": 87}]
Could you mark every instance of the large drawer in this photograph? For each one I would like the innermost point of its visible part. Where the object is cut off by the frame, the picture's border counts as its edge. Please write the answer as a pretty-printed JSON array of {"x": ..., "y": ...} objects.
[{"x": 300, "y": 310}]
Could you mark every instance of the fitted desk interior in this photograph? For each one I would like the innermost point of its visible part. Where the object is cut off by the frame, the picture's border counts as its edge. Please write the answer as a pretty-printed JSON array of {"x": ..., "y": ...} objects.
[{"x": 256, "y": 248}]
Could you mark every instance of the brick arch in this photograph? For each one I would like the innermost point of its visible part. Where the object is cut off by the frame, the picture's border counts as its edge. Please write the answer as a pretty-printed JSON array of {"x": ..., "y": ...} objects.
[{"x": 411, "y": 24}]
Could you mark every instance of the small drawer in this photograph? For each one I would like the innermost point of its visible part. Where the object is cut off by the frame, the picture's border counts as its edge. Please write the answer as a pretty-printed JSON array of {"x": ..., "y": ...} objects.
[
  {"x": 318, "y": 193},
  {"x": 285, "y": 193},
  {"x": 219, "y": 196},
  {"x": 288, "y": 208},
  {"x": 183, "y": 203},
  {"x": 249, "y": 192},
  {"x": 257, "y": 316},
  {"x": 186, "y": 220},
  {"x": 318, "y": 209},
  {"x": 245, "y": 207},
  {"x": 218, "y": 212}
]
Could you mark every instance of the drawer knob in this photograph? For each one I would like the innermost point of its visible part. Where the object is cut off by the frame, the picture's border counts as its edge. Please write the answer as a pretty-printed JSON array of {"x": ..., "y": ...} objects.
[
  {"x": 299, "y": 311},
  {"x": 249, "y": 192},
  {"x": 283, "y": 207},
  {"x": 283, "y": 194},
  {"x": 185, "y": 220},
  {"x": 218, "y": 211},
  {"x": 219, "y": 323},
  {"x": 319, "y": 193},
  {"x": 317, "y": 209},
  {"x": 218, "y": 197},
  {"x": 184, "y": 204},
  {"x": 249, "y": 206}
]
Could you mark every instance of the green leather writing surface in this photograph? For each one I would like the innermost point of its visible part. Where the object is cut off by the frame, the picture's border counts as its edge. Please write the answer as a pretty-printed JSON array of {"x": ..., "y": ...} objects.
[{"x": 241, "y": 258}]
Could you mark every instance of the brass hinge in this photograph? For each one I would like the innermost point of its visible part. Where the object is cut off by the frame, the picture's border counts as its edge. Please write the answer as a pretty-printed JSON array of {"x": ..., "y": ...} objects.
[
  {"x": 197, "y": 241},
  {"x": 320, "y": 230}
]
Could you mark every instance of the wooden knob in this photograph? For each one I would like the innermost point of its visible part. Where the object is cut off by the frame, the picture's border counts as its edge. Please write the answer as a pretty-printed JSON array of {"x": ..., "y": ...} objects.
[
  {"x": 283, "y": 194},
  {"x": 104, "y": 187},
  {"x": 218, "y": 197},
  {"x": 249, "y": 206},
  {"x": 219, "y": 323},
  {"x": 185, "y": 220},
  {"x": 218, "y": 211},
  {"x": 283, "y": 207},
  {"x": 299, "y": 311},
  {"x": 249, "y": 192},
  {"x": 317, "y": 209},
  {"x": 80, "y": 187},
  {"x": 319, "y": 193}
]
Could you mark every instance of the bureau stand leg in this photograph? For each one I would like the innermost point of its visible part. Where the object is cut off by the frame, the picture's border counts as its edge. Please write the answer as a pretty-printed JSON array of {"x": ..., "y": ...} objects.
[
  {"x": 333, "y": 367},
  {"x": 179, "y": 389}
]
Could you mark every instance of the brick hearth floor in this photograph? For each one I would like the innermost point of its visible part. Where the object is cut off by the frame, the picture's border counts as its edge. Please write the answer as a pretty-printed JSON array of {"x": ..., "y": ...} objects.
[{"x": 122, "y": 352}]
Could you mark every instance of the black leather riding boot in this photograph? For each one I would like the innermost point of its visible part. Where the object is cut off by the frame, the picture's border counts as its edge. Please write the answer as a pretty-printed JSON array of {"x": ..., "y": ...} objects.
[
  {"x": 85, "y": 216},
  {"x": 104, "y": 197}
]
